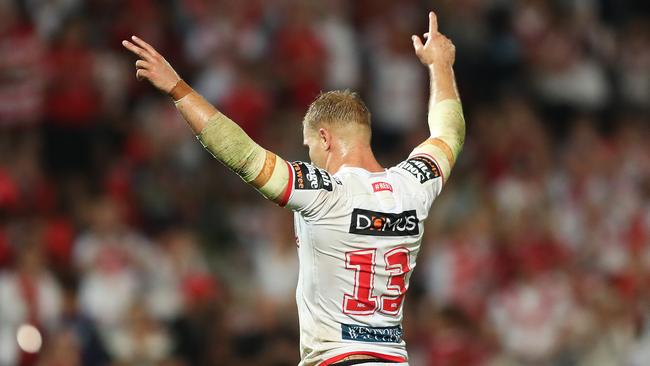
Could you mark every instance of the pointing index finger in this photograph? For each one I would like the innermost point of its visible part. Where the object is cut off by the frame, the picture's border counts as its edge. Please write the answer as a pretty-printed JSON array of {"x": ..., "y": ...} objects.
[
  {"x": 433, "y": 23},
  {"x": 144, "y": 45},
  {"x": 136, "y": 50}
]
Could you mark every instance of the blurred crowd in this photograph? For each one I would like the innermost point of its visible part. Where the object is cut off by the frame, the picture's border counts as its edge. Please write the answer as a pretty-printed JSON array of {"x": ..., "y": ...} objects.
[{"x": 125, "y": 243}]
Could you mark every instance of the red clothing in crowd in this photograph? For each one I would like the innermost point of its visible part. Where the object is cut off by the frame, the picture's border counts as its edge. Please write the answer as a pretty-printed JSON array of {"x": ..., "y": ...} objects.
[
  {"x": 73, "y": 100},
  {"x": 21, "y": 76}
]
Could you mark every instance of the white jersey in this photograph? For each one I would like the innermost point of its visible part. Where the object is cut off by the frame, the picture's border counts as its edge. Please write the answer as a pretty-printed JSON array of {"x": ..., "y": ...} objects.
[{"x": 358, "y": 236}]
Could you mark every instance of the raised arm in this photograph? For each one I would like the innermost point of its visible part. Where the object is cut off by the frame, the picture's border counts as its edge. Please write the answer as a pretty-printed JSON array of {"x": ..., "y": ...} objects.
[
  {"x": 225, "y": 140},
  {"x": 446, "y": 122}
]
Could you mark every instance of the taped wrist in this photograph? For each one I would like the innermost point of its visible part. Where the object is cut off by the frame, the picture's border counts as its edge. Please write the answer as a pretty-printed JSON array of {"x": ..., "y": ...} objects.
[
  {"x": 229, "y": 144},
  {"x": 180, "y": 90}
]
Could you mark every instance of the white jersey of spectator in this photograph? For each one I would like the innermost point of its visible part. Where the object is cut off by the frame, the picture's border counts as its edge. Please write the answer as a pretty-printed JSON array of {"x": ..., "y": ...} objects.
[{"x": 358, "y": 236}]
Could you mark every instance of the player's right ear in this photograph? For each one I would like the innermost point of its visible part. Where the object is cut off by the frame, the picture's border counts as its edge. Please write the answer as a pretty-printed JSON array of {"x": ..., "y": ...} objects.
[{"x": 324, "y": 138}]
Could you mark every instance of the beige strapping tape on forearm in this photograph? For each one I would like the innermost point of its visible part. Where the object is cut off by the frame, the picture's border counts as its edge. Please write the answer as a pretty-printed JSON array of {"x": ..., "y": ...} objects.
[
  {"x": 448, "y": 124},
  {"x": 229, "y": 144}
]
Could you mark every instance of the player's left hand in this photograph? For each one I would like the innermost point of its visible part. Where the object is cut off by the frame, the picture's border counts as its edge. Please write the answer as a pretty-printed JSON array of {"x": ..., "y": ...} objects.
[
  {"x": 438, "y": 49},
  {"x": 152, "y": 66}
]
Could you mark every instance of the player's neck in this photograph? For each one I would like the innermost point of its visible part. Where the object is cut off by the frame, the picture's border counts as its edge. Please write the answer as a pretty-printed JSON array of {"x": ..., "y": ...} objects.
[{"x": 356, "y": 157}]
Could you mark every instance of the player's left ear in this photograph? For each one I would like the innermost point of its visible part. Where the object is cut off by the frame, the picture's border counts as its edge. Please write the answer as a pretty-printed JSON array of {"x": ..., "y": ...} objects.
[{"x": 324, "y": 138}]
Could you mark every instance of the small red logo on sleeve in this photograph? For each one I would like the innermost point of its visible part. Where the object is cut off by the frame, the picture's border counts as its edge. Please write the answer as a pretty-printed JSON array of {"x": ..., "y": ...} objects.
[{"x": 381, "y": 186}]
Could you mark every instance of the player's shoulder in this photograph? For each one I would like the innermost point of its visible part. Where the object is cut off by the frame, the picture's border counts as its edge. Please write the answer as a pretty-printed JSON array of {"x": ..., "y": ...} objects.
[{"x": 314, "y": 191}]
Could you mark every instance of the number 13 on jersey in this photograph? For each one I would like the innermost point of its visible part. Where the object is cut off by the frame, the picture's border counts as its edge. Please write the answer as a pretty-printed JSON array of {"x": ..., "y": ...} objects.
[{"x": 363, "y": 263}]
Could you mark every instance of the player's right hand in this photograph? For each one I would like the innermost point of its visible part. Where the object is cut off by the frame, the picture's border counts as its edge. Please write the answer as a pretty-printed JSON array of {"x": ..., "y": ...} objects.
[
  {"x": 438, "y": 49},
  {"x": 152, "y": 66}
]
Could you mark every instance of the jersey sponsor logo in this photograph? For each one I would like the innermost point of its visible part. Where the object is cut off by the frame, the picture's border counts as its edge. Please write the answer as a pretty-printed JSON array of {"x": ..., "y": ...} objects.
[
  {"x": 310, "y": 177},
  {"x": 423, "y": 168},
  {"x": 365, "y": 222},
  {"x": 362, "y": 333},
  {"x": 381, "y": 186}
]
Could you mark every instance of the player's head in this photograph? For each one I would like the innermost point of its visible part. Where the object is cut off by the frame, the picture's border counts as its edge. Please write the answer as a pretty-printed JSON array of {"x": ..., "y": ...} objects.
[{"x": 335, "y": 122}]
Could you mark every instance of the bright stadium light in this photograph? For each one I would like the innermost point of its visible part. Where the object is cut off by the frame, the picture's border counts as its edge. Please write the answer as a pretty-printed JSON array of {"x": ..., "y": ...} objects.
[{"x": 29, "y": 338}]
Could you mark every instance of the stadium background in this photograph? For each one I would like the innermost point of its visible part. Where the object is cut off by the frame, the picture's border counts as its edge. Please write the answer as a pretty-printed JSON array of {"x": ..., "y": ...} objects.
[{"x": 126, "y": 244}]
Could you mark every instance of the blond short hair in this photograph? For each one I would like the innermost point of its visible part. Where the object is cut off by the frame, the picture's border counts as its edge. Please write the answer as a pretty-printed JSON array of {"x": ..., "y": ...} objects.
[{"x": 339, "y": 107}]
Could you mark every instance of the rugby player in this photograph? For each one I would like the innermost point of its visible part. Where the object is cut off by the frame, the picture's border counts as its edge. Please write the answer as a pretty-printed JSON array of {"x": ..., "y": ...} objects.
[{"x": 359, "y": 225}]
